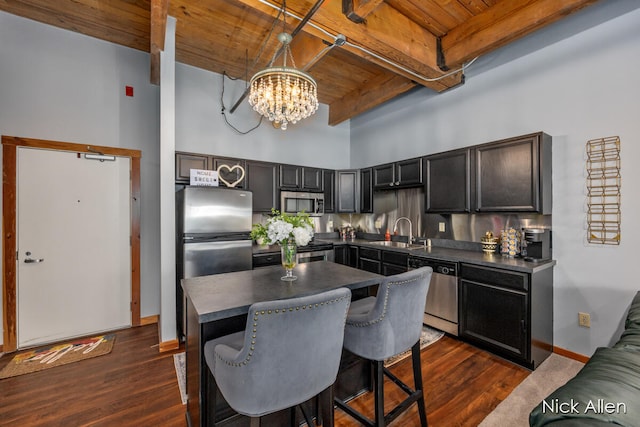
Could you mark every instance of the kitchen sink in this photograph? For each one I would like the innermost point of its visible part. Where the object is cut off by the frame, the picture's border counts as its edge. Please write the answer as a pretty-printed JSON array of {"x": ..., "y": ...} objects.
[{"x": 402, "y": 245}]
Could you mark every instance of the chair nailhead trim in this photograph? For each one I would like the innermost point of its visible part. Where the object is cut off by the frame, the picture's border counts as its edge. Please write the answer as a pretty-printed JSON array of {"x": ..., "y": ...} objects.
[
  {"x": 384, "y": 309},
  {"x": 267, "y": 312}
]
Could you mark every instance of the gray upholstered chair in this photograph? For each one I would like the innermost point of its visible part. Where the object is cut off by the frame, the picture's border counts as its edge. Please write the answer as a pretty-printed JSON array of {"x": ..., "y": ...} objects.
[
  {"x": 289, "y": 352},
  {"x": 386, "y": 325}
]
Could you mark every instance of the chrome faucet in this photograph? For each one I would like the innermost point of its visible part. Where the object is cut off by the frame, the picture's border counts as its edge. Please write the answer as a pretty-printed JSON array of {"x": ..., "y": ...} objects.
[{"x": 395, "y": 227}]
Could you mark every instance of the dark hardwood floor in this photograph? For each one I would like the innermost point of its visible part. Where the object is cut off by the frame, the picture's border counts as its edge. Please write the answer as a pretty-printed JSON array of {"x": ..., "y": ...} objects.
[{"x": 135, "y": 385}]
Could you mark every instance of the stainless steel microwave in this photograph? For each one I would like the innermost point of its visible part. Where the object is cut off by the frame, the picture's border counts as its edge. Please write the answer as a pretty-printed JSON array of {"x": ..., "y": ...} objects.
[{"x": 293, "y": 202}]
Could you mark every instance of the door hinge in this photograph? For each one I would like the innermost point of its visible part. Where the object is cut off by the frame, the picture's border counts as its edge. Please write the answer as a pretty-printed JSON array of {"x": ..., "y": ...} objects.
[{"x": 17, "y": 255}]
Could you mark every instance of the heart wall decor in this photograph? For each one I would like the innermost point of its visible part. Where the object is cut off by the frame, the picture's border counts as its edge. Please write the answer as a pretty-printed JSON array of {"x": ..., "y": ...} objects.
[{"x": 230, "y": 170}]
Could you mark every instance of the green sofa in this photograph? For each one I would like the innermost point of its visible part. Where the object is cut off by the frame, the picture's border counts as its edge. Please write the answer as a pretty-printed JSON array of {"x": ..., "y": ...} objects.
[{"x": 606, "y": 390}]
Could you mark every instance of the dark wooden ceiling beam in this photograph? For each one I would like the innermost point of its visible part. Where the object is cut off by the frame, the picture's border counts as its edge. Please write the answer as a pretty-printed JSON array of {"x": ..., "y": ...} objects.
[
  {"x": 500, "y": 24},
  {"x": 372, "y": 93},
  {"x": 159, "y": 10}
]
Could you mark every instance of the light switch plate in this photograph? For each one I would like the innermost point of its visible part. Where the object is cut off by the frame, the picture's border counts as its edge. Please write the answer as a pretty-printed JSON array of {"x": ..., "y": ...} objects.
[{"x": 441, "y": 227}]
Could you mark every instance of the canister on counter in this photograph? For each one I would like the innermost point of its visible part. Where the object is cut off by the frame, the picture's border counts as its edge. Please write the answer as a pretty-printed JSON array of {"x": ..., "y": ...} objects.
[{"x": 510, "y": 242}]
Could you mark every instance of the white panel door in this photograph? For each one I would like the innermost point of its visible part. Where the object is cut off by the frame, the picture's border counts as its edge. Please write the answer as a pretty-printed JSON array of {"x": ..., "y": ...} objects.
[{"x": 73, "y": 254}]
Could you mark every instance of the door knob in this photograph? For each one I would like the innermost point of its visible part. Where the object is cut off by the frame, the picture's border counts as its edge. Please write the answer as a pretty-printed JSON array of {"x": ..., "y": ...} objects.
[{"x": 29, "y": 260}]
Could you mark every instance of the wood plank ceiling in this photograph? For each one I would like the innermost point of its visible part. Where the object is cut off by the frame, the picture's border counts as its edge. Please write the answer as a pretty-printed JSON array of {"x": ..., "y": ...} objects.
[{"x": 391, "y": 45}]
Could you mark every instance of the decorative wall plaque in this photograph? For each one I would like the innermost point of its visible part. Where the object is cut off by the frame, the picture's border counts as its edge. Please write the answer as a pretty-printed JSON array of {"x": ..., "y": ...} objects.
[{"x": 230, "y": 169}]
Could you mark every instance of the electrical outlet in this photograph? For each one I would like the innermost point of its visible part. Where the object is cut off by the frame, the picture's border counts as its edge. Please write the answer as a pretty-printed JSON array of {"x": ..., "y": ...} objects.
[
  {"x": 584, "y": 319},
  {"x": 441, "y": 227}
]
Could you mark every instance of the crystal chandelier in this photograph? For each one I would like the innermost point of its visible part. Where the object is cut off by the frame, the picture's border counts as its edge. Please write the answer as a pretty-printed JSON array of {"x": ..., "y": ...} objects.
[{"x": 283, "y": 94}]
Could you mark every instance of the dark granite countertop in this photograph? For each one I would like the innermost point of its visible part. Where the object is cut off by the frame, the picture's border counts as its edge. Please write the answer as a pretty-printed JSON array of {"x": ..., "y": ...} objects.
[
  {"x": 221, "y": 296},
  {"x": 458, "y": 255},
  {"x": 449, "y": 251}
]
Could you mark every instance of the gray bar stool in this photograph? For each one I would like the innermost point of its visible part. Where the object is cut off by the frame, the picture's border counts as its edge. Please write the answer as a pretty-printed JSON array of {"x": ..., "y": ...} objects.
[
  {"x": 289, "y": 352},
  {"x": 386, "y": 325}
]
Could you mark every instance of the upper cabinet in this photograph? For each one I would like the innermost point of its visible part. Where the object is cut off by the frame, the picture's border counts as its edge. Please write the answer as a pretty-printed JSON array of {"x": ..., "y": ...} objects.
[
  {"x": 511, "y": 175},
  {"x": 261, "y": 180},
  {"x": 329, "y": 181},
  {"x": 347, "y": 191},
  {"x": 312, "y": 179},
  {"x": 366, "y": 191},
  {"x": 406, "y": 173},
  {"x": 187, "y": 161},
  {"x": 514, "y": 175},
  {"x": 300, "y": 178},
  {"x": 448, "y": 182},
  {"x": 290, "y": 177}
]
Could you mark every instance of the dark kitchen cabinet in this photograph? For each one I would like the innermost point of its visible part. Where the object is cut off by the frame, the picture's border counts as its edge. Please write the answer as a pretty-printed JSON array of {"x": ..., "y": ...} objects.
[
  {"x": 346, "y": 255},
  {"x": 329, "y": 185},
  {"x": 341, "y": 254},
  {"x": 187, "y": 161},
  {"x": 406, "y": 173},
  {"x": 230, "y": 170},
  {"x": 383, "y": 176},
  {"x": 266, "y": 260},
  {"x": 366, "y": 191},
  {"x": 448, "y": 182},
  {"x": 353, "y": 256},
  {"x": 370, "y": 260},
  {"x": 300, "y": 178},
  {"x": 394, "y": 263},
  {"x": 507, "y": 312},
  {"x": 514, "y": 175},
  {"x": 290, "y": 177},
  {"x": 347, "y": 191},
  {"x": 312, "y": 179},
  {"x": 261, "y": 180}
]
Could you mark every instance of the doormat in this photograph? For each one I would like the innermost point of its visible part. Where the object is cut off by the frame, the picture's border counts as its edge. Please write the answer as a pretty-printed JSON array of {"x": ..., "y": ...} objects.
[
  {"x": 56, "y": 355},
  {"x": 427, "y": 337},
  {"x": 178, "y": 363}
]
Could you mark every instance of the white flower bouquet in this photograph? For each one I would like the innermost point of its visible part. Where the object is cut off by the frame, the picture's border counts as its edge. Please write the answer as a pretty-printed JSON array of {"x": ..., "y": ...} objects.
[{"x": 283, "y": 228}]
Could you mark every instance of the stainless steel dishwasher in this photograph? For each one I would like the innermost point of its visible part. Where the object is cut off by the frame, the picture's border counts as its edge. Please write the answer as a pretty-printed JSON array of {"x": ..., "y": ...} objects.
[{"x": 441, "y": 307}]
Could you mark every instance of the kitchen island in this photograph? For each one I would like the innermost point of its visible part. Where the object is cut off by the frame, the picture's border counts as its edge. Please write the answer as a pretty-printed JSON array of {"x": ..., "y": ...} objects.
[{"x": 217, "y": 305}]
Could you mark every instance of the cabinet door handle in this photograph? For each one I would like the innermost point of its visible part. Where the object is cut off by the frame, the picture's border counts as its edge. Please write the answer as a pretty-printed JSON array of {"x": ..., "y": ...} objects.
[{"x": 524, "y": 327}]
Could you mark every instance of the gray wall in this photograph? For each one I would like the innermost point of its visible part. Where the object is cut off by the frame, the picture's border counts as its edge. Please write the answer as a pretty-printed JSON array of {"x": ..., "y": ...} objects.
[
  {"x": 577, "y": 89},
  {"x": 200, "y": 126},
  {"x": 58, "y": 85}
]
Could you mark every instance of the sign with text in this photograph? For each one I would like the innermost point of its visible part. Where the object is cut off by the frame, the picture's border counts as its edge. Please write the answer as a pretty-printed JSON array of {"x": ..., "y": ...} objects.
[{"x": 203, "y": 178}]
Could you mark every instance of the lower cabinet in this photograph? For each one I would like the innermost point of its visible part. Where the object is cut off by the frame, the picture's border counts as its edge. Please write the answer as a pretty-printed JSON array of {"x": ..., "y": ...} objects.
[
  {"x": 265, "y": 260},
  {"x": 386, "y": 263},
  {"x": 353, "y": 255},
  {"x": 341, "y": 255},
  {"x": 346, "y": 255},
  {"x": 394, "y": 263},
  {"x": 370, "y": 260},
  {"x": 509, "y": 313}
]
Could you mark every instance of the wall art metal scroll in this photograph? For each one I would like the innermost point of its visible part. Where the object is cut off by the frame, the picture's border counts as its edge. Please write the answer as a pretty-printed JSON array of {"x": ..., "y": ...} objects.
[{"x": 603, "y": 191}]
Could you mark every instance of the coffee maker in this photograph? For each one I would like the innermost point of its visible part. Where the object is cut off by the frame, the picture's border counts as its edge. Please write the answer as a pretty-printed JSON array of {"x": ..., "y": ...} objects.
[{"x": 538, "y": 244}]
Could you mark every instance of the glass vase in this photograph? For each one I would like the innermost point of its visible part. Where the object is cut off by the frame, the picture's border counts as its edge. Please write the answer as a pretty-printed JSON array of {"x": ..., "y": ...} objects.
[{"x": 289, "y": 260}]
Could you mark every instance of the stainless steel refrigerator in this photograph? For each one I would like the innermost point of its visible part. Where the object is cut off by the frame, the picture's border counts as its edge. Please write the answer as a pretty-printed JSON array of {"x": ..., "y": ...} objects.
[{"x": 212, "y": 226}]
